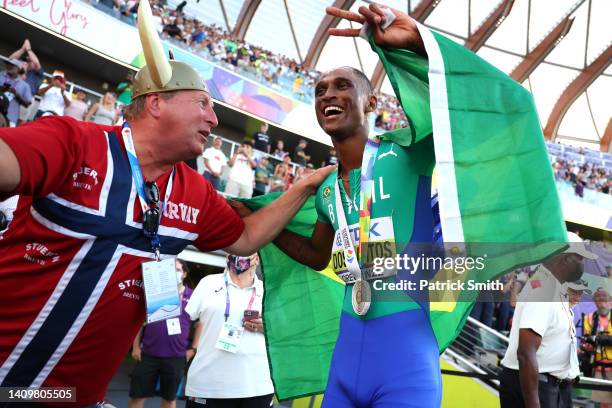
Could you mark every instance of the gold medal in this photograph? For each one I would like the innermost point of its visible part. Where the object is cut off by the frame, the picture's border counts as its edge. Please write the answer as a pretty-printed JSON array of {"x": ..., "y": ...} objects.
[{"x": 361, "y": 297}]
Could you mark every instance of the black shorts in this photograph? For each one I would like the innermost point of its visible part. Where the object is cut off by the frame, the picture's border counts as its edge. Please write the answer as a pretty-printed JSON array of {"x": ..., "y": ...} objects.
[
  {"x": 169, "y": 370},
  {"x": 262, "y": 401}
]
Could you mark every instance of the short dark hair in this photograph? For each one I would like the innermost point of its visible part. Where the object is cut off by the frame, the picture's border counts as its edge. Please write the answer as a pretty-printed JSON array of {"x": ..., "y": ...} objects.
[{"x": 362, "y": 80}]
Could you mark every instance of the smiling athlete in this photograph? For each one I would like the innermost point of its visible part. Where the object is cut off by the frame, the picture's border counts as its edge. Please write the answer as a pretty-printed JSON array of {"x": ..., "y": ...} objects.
[{"x": 386, "y": 354}]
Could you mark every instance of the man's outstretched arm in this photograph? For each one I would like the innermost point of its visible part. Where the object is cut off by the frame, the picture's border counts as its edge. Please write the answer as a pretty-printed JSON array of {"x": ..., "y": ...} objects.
[{"x": 262, "y": 226}]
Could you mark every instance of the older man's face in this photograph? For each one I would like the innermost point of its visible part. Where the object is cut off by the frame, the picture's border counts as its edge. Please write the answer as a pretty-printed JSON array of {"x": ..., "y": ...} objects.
[{"x": 189, "y": 119}]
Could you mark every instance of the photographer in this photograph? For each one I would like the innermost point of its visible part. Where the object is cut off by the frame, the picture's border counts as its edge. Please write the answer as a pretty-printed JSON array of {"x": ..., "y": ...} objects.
[
  {"x": 596, "y": 346},
  {"x": 14, "y": 91},
  {"x": 54, "y": 98},
  {"x": 241, "y": 176}
]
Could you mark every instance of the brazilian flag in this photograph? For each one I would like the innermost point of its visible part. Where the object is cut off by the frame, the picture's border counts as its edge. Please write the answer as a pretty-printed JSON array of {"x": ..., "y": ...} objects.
[{"x": 495, "y": 186}]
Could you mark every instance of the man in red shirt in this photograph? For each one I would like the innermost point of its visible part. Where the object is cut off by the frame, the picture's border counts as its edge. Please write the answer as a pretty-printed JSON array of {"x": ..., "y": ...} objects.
[{"x": 70, "y": 264}]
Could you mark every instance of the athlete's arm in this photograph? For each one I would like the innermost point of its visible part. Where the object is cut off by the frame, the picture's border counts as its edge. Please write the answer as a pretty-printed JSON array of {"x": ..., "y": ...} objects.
[
  {"x": 314, "y": 252},
  {"x": 401, "y": 33},
  {"x": 262, "y": 226},
  {"x": 529, "y": 342},
  {"x": 10, "y": 174}
]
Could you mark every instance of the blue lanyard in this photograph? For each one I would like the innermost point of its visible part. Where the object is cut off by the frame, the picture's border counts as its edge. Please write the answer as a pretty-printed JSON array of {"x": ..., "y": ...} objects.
[
  {"x": 227, "y": 297},
  {"x": 139, "y": 183}
]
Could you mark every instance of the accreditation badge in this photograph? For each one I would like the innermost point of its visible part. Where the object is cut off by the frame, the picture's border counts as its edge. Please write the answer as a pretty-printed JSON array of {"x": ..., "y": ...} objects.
[
  {"x": 161, "y": 290},
  {"x": 173, "y": 326},
  {"x": 229, "y": 337}
]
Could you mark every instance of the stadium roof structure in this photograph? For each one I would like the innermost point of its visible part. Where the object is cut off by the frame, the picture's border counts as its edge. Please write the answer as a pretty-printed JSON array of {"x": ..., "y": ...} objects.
[{"x": 561, "y": 51}]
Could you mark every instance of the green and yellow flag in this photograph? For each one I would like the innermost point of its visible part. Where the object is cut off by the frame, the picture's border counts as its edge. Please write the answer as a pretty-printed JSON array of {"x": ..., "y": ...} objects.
[{"x": 495, "y": 187}]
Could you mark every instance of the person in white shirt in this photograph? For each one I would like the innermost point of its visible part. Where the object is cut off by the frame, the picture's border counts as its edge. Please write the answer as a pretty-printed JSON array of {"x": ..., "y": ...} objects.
[
  {"x": 54, "y": 98},
  {"x": 230, "y": 368},
  {"x": 242, "y": 174},
  {"x": 541, "y": 362},
  {"x": 214, "y": 160}
]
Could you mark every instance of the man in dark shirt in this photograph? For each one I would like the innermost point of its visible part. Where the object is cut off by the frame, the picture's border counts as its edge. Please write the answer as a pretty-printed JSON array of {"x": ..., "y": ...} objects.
[
  {"x": 162, "y": 349},
  {"x": 299, "y": 155},
  {"x": 331, "y": 158},
  {"x": 262, "y": 139}
]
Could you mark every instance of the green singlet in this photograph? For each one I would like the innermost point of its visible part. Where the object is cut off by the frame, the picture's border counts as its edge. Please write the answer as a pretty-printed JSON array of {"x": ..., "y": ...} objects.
[{"x": 402, "y": 182}]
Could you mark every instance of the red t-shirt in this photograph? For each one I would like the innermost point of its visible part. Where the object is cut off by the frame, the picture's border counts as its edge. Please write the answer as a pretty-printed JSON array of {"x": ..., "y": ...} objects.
[{"x": 70, "y": 263}]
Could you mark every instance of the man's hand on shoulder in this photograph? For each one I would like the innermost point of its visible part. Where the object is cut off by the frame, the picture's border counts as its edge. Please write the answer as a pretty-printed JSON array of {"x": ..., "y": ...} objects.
[{"x": 313, "y": 180}]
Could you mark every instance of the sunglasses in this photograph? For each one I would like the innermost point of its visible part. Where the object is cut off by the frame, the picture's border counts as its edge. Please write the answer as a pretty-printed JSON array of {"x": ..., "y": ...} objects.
[{"x": 150, "y": 219}]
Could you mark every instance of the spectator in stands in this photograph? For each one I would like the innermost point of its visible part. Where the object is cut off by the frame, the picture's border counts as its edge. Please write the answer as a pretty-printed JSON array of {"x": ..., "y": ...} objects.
[
  {"x": 214, "y": 160},
  {"x": 299, "y": 155},
  {"x": 599, "y": 324},
  {"x": 240, "y": 180},
  {"x": 104, "y": 112},
  {"x": 14, "y": 91},
  {"x": 278, "y": 179},
  {"x": 54, "y": 99},
  {"x": 78, "y": 108},
  {"x": 34, "y": 71},
  {"x": 262, "y": 177},
  {"x": 541, "y": 362},
  {"x": 173, "y": 30},
  {"x": 331, "y": 158},
  {"x": 225, "y": 373},
  {"x": 124, "y": 89},
  {"x": 262, "y": 139},
  {"x": 162, "y": 349},
  {"x": 279, "y": 152}
]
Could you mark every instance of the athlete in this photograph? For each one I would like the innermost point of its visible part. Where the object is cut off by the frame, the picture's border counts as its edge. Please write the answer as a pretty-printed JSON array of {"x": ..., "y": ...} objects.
[
  {"x": 99, "y": 207},
  {"x": 386, "y": 355}
]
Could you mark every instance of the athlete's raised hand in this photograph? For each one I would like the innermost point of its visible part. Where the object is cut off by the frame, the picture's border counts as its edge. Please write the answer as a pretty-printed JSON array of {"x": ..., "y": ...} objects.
[{"x": 402, "y": 33}]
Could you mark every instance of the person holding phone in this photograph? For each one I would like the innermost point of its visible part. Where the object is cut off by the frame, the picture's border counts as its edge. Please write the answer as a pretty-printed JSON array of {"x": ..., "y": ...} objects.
[
  {"x": 54, "y": 98},
  {"x": 230, "y": 368}
]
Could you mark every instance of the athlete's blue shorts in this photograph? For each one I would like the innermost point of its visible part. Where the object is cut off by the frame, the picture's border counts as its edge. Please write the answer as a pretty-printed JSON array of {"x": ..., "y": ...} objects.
[{"x": 387, "y": 362}]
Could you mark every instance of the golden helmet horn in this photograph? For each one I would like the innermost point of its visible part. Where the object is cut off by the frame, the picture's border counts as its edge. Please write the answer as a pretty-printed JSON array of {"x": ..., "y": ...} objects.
[{"x": 160, "y": 75}]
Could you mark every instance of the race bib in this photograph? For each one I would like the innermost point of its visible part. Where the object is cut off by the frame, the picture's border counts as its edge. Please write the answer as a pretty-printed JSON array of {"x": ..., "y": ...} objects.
[{"x": 381, "y": 245}]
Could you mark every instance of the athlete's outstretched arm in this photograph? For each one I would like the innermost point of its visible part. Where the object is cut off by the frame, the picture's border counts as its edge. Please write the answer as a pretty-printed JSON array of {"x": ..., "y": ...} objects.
[
  {"x": 10, "y": 174},
  {"x": 314, "y": 252}
]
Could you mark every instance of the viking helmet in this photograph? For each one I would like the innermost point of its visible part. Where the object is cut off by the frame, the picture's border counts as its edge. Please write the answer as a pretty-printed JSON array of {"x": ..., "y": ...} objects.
[{"x": 160, "y": 74}]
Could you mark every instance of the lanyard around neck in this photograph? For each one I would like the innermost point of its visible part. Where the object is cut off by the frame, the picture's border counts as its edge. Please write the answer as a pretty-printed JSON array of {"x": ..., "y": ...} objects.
[
  {"x": 227, "y": 297},
  {"x": 128, "y": 141},
  {"x": 365, "y": 211}
]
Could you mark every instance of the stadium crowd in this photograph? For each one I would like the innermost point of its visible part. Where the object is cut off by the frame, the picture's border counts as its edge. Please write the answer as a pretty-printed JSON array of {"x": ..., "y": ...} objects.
[
  {"x": 583, "y": 175},
  {"x": 216, "y": 44}
]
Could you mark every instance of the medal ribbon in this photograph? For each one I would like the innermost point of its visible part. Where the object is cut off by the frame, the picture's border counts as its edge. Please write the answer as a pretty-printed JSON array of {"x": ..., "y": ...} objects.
[{"x": 365, "y": 211}]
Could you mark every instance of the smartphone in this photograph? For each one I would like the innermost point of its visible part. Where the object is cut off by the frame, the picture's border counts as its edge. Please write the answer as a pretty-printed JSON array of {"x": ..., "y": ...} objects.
[{"x": 250, "y": 315}]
